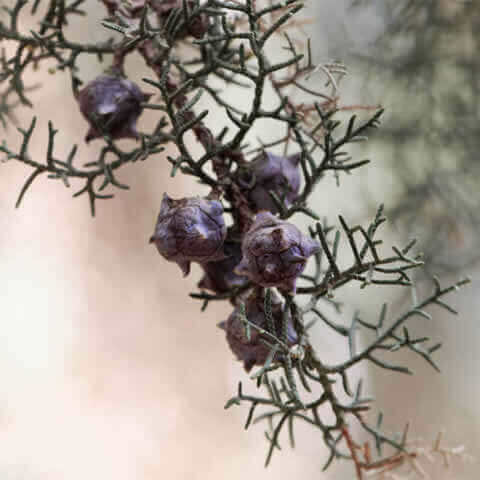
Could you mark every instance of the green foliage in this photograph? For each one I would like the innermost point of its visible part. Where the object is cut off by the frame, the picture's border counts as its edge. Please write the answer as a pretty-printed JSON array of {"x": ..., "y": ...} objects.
[{"x": 294, "y": 383}]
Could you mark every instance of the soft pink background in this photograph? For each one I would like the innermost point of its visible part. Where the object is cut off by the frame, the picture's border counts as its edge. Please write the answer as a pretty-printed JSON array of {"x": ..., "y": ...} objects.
[{"x": 109, "y": 370}]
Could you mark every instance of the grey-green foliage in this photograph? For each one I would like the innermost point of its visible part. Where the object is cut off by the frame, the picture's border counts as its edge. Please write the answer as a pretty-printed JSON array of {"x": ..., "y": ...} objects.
[
  {"x": 425, "y": 65},
  {"x": 293, "y": 385}
]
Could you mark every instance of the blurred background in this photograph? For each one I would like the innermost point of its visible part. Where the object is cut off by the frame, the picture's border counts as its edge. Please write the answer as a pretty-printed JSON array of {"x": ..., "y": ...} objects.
[{"x": 110, "y": 370}]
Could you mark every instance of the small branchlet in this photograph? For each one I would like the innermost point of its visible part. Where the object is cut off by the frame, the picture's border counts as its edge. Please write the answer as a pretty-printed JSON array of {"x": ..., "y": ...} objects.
[{"x": 242, "y": 175}]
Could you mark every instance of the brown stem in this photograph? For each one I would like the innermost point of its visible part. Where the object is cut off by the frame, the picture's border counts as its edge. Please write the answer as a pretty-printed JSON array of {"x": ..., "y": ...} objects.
[{"x": 352, "y": 447}]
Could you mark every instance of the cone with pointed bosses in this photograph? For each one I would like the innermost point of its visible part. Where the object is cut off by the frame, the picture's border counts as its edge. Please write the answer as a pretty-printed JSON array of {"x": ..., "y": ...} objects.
[
  {"x": 190, "y": 230},
  {"x": 219, "y": 277},
  {"x": 271, "y": 173},
  {"x": 275, "y": 253},
  {"x": 252, "y": 350},
  {"x": 111, "y": 104}
]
